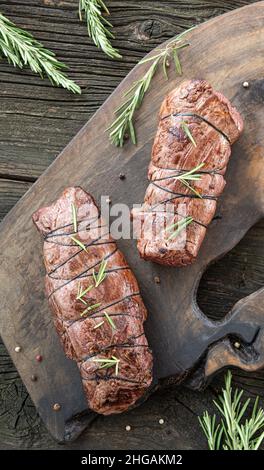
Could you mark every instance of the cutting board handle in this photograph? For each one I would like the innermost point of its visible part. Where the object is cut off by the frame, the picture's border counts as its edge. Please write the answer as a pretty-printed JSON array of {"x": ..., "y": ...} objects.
[{"x": 241, "y": 344}]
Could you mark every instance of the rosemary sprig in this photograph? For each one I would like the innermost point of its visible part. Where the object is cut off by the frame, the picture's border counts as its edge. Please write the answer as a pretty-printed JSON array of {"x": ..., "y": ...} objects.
[
  {"x": 90, "y": 308},
  {"x": 74, "y": 217},
  {"x": 79, "y": 243},
  {"x": 191, "y": 176},
  {"x": 97, "y": 25},
  {"x": 178, "y": 226},
  {"x": 82, "y": 293},
  {"x": 21, "y": 48},
  {"x": 98, "y": 325},
  {"x": 98, "y": 279},
  {"x": 110, "y": 321},
  {"x": 107, "y": 363},
  {"x": 230, "y": 433},
  {"x": 123, "y": 124},
  {"x": 186, "y": 130},
  {"x": 101, "y": 275},
  {"x": 213, "y": 433}
]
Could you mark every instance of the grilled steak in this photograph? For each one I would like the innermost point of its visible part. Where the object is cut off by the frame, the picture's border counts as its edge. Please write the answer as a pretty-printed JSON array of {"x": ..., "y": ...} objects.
[
  {"x": 196, "y": 129},
  {"x": 100, "y": 327}
]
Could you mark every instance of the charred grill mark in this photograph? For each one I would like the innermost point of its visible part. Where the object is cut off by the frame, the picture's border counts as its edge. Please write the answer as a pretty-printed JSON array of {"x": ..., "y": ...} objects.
[
  {"x": 72, "y": 245},
  {"x": 109, "y": 271},
  {"x": 80, "y": 231},
  {"x": 121, "y": 314},
  {"x": 52, "y": 233},
  {"x": 174, "y": 213},
  {"x": 81, "y": 274},
  {"x": 101, "y": 309},
  {"x": 182, "y": 171},
  {"x": 97, "y": 377},
  {"x": 116, "y": 345},
  {"x": 198, "y": 116},
  {"x": 94, "y": 242},
  {"x": 185, "y": 170},
  {"x": 182, "y": 195},
  {"x": 167, "y": 200}
]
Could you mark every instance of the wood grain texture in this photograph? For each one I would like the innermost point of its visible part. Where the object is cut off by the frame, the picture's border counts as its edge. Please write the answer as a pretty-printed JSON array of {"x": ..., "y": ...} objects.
[
  {"x": 39, "y": 120},
  {"x": 34, "y": 160}
]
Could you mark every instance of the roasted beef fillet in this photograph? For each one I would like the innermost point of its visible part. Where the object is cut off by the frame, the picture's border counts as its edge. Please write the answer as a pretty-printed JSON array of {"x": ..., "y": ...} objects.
[
  {"x": 172, "y": 223},
  {"x": 110, "y": 387}
]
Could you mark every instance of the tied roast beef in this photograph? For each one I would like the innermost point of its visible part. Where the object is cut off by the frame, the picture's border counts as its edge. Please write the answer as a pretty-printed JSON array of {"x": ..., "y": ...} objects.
[
  {"x": 197, "y": 127},
  {"x": 102, "y": 322}
]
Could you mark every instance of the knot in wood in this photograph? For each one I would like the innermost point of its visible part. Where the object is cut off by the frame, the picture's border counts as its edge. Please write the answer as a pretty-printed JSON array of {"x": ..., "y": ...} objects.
[{"x": 148, "y": 29}]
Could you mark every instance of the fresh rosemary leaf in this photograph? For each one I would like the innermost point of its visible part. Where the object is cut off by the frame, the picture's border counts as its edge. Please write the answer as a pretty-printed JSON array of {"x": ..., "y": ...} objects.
[
  {"x": 177, "y": 62},
  {"x": 101, "y": 275},
  {"x": 117, "y": 364},
  {"x": 90, "y": 308},
  {"x": 81, "y": 293},
  {"x": 211, "y": 431},
  {"x": 79, "y": 243},
  {"x": 164, "y": 66},
  {"x": 110, "y": 321},
  {"x": 82, "y": 300},
  {"x": 74, "y": 217},
  {"x": 22, "y": 49},
  {"x": 191, "y": 174},
  {"x": 178, "y": 226},
  {"x": 98, "y": 325},
  {"x": 122, "y": 127},
  {"x": 97, "y": 25},
  {"x": 191, "y": 188},
  {"x": 132, "y": 132},
  {"x": 187, "y": 131},
  {"x": 107, "y": 363},
  {"x": 230, "y": 433}
]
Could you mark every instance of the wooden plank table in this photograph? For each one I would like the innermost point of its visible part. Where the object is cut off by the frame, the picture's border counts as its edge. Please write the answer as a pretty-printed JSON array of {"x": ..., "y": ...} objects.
[{"x": 37, "y": 121}]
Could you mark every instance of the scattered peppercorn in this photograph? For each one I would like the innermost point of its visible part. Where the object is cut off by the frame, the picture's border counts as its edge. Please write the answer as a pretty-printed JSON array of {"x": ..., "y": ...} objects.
[{"x": 56, "y": 407}]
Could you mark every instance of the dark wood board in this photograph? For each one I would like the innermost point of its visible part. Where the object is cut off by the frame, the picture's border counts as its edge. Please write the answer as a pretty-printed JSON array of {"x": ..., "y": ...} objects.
[{"x": 27, "y": 321}]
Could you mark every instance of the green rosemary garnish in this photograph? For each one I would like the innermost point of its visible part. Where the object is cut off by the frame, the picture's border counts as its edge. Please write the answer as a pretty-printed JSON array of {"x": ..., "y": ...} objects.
[
  {"x": 22, "y": 49},
  {"x": 79, "y": 243},
  {"x": 230, "y": 433},
  {"x": 191, "y": 176},
  {"x": 110, "y": 321},
  {"x": 101, "y": 275},
  {"x": 74, "y": 217},
  {"x": 179, "y": 226},
  {"x": 106, "y": 363},
  {"x": 123, "y": 124},
  {"x": 186, "y": 130},
  {"x": 82, "y": 293},
  {"x": 90, "y": 308},
  {"x": 97, "y": 25},
  {"x": 98, "y": 279},
  {"x": 98, "y": 325},
  {"x": 212, "y": 432}
]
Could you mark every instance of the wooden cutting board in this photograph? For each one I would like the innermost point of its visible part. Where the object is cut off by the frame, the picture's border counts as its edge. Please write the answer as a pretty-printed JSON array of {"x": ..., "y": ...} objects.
[{"x": 187, "y": 345}]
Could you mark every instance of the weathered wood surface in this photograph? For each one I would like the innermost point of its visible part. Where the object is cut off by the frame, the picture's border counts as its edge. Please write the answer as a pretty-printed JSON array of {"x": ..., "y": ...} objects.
[{"x": 12, "y": 167}]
